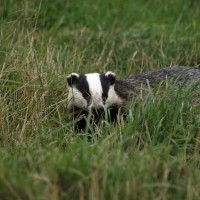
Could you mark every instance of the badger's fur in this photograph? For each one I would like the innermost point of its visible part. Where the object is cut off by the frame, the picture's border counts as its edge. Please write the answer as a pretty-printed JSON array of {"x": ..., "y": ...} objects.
[{"x": 94, "y": 93}]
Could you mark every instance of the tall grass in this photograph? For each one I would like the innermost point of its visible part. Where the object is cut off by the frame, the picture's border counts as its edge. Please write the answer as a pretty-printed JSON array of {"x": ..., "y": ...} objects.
[{"x": 154, "y": 155}]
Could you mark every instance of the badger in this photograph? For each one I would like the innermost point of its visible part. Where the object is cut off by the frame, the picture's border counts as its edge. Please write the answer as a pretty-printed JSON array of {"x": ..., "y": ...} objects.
[{"x": 93, "y": 94}]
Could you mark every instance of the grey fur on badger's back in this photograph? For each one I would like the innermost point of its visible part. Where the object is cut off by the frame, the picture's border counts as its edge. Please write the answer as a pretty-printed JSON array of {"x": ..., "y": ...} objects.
[{"x": 131, "y": 86}]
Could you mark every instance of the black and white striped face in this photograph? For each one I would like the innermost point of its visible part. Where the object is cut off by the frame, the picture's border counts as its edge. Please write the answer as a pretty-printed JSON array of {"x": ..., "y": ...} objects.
[{"x": 91, "y": 91}]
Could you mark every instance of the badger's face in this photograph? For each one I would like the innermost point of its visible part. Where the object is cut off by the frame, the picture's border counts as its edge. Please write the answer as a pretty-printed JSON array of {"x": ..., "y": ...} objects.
[{"x": 91, "y": 91}]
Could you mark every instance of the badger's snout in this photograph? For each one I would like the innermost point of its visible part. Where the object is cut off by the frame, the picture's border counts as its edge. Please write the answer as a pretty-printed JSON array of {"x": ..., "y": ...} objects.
[{"x": 97, "y": 112}]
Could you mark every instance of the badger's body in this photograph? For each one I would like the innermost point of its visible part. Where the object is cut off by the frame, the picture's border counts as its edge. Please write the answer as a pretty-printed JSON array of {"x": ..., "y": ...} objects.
[
  {"x": 132, "y": 86},
  {"x": 92, "y": 94}
]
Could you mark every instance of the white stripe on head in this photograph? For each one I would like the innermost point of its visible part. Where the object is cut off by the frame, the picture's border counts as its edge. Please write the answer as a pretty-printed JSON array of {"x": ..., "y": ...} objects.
[
  {"x": 75, "y": 98},
  {"x": 95, "y": 88},
  {"x": 113, "y": 98}
]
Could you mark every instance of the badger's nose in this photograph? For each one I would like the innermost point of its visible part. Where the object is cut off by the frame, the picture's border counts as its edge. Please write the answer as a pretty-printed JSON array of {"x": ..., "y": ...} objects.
[{"x": 97, "y": 112}]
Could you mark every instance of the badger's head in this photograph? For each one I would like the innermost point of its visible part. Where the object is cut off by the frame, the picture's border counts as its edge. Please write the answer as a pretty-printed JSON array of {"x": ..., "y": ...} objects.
[{"x": 91, "y": 92}]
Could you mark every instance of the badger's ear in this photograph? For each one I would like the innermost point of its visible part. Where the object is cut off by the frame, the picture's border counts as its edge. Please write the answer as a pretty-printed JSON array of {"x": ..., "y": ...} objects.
[
  {"x": 111, "y": 76},
  {"x": 72, "y": 78}
]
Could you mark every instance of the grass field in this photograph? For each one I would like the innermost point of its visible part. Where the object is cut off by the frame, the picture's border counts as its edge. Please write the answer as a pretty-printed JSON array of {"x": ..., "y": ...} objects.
[{"x": 155, "y": 155}]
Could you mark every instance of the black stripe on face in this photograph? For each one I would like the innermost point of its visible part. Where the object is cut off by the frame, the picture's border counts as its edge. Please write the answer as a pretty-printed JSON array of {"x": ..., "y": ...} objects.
[
  {"x": 105, "y": 86},
  {"x": 83, "y": 87}
]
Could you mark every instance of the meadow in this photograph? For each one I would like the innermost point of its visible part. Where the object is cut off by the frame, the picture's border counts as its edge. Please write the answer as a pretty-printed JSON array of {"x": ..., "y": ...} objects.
[{"x": 154, "y": 155}]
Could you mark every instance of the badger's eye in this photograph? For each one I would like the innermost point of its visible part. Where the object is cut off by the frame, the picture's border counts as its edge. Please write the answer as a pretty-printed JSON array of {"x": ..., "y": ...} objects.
[
  {"x": 85, "y": 94},
  {"x": 104, "y": 96}
]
